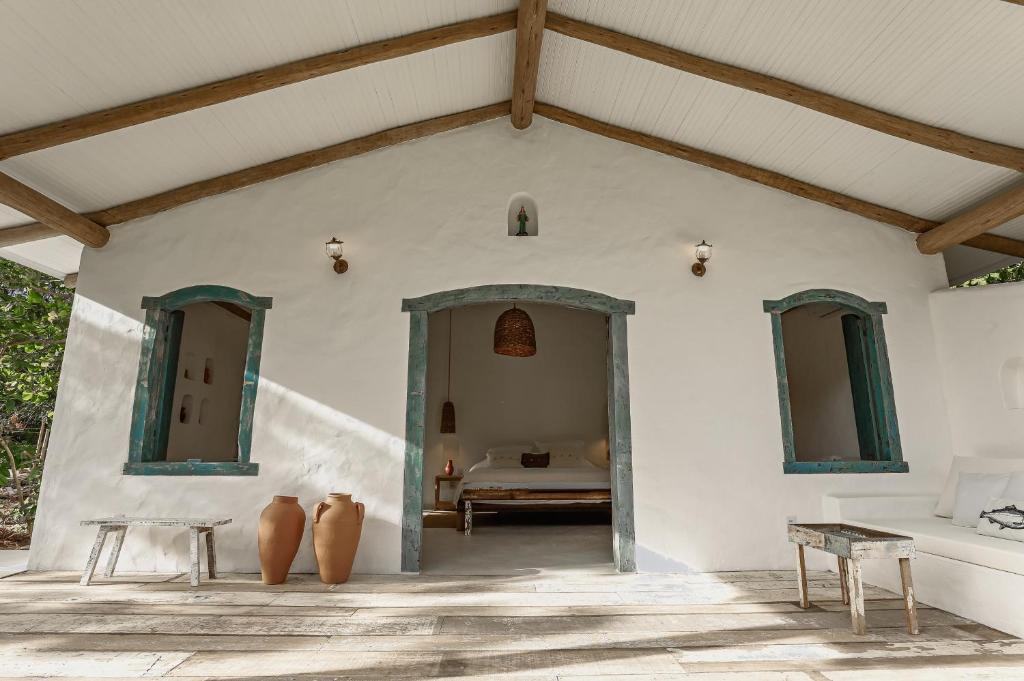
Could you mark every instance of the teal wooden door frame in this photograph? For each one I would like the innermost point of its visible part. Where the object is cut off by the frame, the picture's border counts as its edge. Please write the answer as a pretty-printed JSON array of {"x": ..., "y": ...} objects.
[{"x": 620, "y": 439}]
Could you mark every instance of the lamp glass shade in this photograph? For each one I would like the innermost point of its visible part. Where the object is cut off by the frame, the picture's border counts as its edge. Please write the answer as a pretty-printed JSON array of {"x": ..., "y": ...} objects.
[
  {"x": 703, "y": 251},
  {"x": 514, "y": 335},
  {"x": 334, "y": 248}
]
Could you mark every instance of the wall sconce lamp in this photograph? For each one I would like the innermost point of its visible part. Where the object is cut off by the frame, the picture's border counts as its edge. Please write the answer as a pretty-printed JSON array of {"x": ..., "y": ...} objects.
[
  {"x": 703, "y": 255},
  {"x": 334, "y": 251}
]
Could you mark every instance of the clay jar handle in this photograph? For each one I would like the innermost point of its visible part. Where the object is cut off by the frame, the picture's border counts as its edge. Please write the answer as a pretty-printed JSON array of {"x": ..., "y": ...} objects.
[
  {"x": 360, "y": 510},
  {"x": 320, "y": 508}
]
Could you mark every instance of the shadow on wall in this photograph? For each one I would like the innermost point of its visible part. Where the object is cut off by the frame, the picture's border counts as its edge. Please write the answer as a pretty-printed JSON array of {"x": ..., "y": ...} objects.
[{"x": 304, "y": 448}]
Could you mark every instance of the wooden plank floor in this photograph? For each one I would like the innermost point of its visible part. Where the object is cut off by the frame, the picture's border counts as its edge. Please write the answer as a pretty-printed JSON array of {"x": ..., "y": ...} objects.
[{"x": 733, "y": 626}]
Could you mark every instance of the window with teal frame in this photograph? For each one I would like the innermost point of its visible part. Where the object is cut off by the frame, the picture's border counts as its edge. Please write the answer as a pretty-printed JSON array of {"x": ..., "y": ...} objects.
[
  {"x": 870, "y": 381},
  {"x": 154, "y": 410}
]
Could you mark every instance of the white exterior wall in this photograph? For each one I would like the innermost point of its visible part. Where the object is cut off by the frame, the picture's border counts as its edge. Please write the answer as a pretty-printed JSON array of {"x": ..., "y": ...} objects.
[
  {"x": 980, "y": 338},
  {"x": 429, "y": 216}
]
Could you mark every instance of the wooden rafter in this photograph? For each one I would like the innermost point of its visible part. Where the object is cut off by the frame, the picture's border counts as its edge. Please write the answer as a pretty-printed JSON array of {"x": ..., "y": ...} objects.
[
  {"x": 267, "y": 171},
  {"x": 921, "y": 133},
  {"x": 23, "y": 198},
  {"x": 529, "y": 32},
  {"x": 79, "y": 127},
  {"x": 975, "y": 222},
  {"x": 768, "y": 178}
]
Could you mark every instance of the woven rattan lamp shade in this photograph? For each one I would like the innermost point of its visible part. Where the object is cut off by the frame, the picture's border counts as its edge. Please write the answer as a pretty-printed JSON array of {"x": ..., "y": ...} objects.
[
  {"x": 514, "y": 335},
  {"x": 448, "y": 418}
]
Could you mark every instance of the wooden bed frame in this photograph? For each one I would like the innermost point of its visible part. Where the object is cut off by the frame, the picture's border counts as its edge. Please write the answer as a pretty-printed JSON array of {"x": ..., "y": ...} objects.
[{"x": 485, "y": 500}]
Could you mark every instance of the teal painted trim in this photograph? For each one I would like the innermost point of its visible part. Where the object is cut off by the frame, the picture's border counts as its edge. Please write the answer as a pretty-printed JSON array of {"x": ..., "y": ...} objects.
[
  {"x": 415, "y": 417},
  {"x": 845, "y": 467},
  {"x": 620, "y": 439},
  {"x": 190, "y": 468},
  {"x": 168, "y": 377},
  {"x": 865, "y": 390},
  {"x": 496, "y": 293},
  {"x": 250, "y": 383},
  {"x": 620, "y": 442},
  {"x": 140, "y": 409},
  {"x": 879, "y": 383},
  {"x": 154, "y": 391},
  {"x": 825, "y": 295},
  {"x": 206, "y": 293}
]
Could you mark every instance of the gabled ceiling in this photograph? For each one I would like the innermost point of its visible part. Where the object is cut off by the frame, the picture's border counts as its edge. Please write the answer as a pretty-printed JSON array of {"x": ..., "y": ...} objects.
[{"x": 957, "y": 65}]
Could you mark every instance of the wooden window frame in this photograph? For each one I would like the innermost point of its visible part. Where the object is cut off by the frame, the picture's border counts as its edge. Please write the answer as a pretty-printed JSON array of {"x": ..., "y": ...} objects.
[
  {"x": 153, "y": 388},
  {"x": 891, "y": 454}
]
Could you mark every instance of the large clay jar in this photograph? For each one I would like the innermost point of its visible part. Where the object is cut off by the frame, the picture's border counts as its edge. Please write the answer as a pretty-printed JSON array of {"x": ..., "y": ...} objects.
[
  {"x": 281, "y": 526},
  {"x": 337, "y": 524}
]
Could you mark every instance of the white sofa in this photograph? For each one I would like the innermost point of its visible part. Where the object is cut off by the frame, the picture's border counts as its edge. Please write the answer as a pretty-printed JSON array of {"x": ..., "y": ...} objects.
[{"x": 956, "y": 569}]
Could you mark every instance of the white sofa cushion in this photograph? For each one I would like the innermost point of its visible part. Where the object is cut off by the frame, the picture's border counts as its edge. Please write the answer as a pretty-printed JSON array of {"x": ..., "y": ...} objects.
[
  {"x": 971, "y": 464},
  {"x": 1015, "y": 488},
  {"x": 940, "y": 537},
  {"x": 972, "y": 493}
]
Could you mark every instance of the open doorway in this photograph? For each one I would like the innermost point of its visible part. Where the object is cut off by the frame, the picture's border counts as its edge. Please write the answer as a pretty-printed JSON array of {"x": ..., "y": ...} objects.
[{"x": 542, "y": 442}]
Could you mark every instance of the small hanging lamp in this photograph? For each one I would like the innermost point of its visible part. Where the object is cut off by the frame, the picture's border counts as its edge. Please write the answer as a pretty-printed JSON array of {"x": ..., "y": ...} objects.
[
  {"x": 448, "y": 408},
  {"x": 514, "y": 335}
]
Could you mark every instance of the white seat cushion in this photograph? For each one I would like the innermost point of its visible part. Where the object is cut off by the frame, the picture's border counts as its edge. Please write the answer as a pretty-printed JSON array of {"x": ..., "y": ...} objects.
[{"x": 940, "y": 537}]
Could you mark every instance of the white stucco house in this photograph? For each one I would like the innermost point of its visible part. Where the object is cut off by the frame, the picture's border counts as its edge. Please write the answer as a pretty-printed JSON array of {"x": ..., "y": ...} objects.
[{"x": 844, "y": 176}]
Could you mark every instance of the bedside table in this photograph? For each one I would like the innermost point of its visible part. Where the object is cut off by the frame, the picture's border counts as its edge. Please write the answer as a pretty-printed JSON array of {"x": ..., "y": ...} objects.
[{"x": 452, "y": 481}]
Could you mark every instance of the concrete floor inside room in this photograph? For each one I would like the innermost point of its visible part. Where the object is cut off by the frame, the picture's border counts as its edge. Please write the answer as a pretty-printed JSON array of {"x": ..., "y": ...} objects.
[{"x": 522, "y": 543}]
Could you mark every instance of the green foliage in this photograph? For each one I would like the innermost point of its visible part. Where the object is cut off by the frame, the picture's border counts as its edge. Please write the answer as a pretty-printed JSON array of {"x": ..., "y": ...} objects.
[
  {"x": 34, "y": 314},
  {"x": 1005, "y": 275}
]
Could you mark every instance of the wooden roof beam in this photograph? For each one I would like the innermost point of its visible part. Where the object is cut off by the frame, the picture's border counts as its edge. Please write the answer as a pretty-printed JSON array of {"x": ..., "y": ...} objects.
[
  {"x": 267, "y": 171},
  {"x": 768, "y": 178},
  {"x": 24, "y": 199},
  {"x": 529, "y": 32},
  {"x": 153, "y": 108},
  {"x": 891, "y": 124},
  {"x": 975, "y": 222}
]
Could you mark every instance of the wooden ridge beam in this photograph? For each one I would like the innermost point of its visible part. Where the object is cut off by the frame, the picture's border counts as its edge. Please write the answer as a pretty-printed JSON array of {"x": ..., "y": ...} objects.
[
  {"x": 891, "y": 124},
  {"x": 769, "y": 178},
  {"x": 975, "y": 222},
  {"x": 24, "y": 199},
  {"x": 153, "y": 108},
  {"x": 529, "y": 33},
  {"x": 267, "y": 171}
]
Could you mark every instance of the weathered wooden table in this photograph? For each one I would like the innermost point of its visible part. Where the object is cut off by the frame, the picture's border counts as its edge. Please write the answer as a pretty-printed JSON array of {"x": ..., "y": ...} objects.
[
  {"x": 119, "y": 526},
  {"x": 852, "y": 544}
]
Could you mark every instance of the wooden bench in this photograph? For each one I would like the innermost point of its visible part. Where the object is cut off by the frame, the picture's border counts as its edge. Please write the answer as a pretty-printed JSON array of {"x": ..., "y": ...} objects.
[
  {"x": 119, "y": 526},
  {"x": 852, "y": 544}
]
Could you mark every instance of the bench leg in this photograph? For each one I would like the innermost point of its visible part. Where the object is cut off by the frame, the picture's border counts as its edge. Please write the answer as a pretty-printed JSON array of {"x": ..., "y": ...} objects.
[
  {"x": 115, "y": 550},
  {"x": 211, "y": 554},
  {"x": 469, "y": 518},
  {"x": 908, "y": 596},
  {"x": 193, "y": 556},
  {"x": 94, "y": 556},
  {"x": 844, "y": 588},
  {"x": 856, "y": 589},
  {"x": 801, "y": 577}
]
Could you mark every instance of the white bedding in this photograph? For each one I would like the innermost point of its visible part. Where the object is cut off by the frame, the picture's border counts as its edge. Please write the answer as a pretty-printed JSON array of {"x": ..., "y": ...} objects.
[{"x": 580, "y": 477}]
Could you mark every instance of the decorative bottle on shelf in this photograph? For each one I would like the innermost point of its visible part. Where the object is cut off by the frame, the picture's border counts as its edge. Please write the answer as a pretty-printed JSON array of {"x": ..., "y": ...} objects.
[
  {"x": 337, "y": 525},
  {"x": 449, "y": 468},
  {"x": 280, "y": 532}
]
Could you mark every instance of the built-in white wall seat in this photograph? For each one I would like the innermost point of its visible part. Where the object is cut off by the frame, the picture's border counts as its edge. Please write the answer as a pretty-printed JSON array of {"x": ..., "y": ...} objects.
[{"x": 956, "y": 569}]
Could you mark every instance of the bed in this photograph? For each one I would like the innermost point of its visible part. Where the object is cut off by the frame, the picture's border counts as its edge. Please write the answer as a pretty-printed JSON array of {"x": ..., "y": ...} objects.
[{"x": 501, "y": 483}]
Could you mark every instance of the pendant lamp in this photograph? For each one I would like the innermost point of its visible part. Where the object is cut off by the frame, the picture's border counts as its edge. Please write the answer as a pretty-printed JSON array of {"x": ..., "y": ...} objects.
[
  {"x": 514, "y": 335},
  {"x": 448, "y": 408}
]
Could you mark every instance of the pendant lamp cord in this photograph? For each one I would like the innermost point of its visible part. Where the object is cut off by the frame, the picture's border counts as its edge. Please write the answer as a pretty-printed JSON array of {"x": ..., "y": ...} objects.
[{"x": 449, "y": 355}]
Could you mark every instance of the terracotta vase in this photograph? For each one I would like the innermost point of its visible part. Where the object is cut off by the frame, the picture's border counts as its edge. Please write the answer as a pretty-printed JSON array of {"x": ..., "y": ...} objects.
[
  {"x": 449, "y": 468},
  {"x": 281, "y": 525},
  {"x": 337, "y": 524}
]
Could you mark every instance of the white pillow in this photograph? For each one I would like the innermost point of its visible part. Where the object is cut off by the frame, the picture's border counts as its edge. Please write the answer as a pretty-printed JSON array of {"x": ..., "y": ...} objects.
[
  {"x": 566, "y": 454},
  {"x": 972, "y": 494},
  {"x": 1015, "y": 489},
  {"x": 509, "y": 456},
  {"x": 1003, "y": 518},
  {"x": 971, "y": 464}
]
